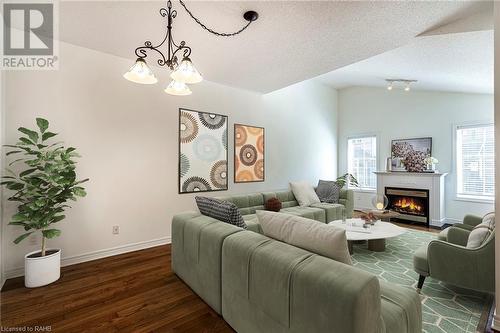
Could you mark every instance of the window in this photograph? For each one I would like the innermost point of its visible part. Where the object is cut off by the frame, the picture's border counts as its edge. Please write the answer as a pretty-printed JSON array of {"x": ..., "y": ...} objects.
[
  {"x": 362, "y": 160},
  {"x": 475, "y": 162}
]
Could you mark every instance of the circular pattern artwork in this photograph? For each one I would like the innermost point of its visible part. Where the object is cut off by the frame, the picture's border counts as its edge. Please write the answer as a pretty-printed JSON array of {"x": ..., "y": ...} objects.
[
  {"x": 248, "y": 155},
  {"x": 218, "y": 174},
  {"x": 188, "y": 127},
  {"x": 203, "y": 148},
  {"x": 184, "y": 165},
  {"x": 258, "y": 169},
  {"x": 212, "y": 121},
  {"x": 195, "y": 184},
  {"x": 207, "y": 148},
  {"x": 245, "y": 176},
  {"x": 240, "y": 135}
]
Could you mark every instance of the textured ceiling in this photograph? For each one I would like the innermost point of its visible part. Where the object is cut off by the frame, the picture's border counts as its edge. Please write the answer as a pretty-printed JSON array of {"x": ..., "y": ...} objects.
[
  {"x": 460, "y": 62},
  {"x": 291, "y": 41}
]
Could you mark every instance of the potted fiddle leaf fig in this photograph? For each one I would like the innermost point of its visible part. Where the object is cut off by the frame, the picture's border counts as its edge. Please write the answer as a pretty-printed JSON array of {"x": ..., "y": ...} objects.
[{"x": 43, "y": 182}]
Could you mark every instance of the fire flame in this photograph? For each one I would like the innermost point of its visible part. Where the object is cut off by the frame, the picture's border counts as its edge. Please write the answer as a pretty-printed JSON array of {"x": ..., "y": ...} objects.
[{"x": 409, "y": 204}]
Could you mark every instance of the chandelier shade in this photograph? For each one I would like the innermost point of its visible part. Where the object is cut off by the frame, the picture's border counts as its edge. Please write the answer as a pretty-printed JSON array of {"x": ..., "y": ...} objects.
[
  {"x": 178, "y": 89},
  {"x": 186, "y": 72},
  {"x": 140, "y": 73}
]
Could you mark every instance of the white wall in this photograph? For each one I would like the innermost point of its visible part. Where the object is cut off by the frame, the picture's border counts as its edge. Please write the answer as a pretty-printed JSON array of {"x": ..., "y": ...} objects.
[
  {"x": 128, "y": 138},
  {"x": 398, "y": 114}
]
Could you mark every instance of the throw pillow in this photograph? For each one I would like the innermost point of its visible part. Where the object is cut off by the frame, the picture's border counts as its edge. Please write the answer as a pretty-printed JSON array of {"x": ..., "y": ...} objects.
[
  {"x": 481, "y": 232},
  {"x": 328, "y": 191},
  {"x": 273, "y": 204},
  {"x": 326, "y": 240},
  {"x": 224, "y": 211},
  {"x": 304, "y": 193}
]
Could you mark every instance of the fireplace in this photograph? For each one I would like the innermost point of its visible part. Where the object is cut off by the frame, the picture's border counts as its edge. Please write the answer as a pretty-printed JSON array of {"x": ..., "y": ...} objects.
[{"x": 412, "y": 204}]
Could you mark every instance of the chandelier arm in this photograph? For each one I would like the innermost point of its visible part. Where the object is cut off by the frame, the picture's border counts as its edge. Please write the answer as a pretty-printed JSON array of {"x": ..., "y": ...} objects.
[
  {"x": 222, "y": 34},
  {"x": 140, "y": 52}
]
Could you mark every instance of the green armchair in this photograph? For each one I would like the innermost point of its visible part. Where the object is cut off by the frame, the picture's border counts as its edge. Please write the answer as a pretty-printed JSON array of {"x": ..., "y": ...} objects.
[{"x": 450, "y": 261}]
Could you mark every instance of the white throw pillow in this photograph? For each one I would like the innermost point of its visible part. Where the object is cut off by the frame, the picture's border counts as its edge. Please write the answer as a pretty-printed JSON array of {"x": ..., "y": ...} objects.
[
  {"x": 481, "y": 232},
  {"x": 304, "y": 193},
  {"x": 326, "y": 240}
]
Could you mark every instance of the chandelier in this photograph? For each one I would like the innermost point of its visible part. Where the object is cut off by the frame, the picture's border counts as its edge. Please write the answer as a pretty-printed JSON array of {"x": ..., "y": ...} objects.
[{"x": 183, "y": 72}]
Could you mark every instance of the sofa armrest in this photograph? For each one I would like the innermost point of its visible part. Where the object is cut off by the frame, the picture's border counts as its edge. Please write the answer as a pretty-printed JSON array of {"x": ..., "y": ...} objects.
[
  {"x": 457, "y": 236},
  {"x": 472, "y": 220},
  {"x": 461, "y": 266},
  {"x": 346, "y": 198}
]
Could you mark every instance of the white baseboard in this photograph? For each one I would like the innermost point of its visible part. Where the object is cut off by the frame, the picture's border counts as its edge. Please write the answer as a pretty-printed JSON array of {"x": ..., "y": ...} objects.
[
  {"x": 98, "y": 254},
  {"x": 452, "y": 221}
]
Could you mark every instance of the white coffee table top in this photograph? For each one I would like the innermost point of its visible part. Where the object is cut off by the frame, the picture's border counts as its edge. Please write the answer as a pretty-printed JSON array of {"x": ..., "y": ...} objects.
[{"x": 381, "y": 230}]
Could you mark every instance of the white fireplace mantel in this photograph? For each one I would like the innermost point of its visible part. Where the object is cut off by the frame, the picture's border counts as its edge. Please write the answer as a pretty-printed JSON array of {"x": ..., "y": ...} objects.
[{"x": 433, "y": 182}]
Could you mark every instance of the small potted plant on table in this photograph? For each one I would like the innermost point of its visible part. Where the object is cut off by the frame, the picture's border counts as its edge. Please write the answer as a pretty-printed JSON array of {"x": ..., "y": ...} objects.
[{"x": 44, "y": 180}]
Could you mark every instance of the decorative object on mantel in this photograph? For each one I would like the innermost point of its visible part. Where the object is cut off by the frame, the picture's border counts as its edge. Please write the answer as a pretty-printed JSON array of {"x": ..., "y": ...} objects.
[
  {"x": 43, "y": 182},
  {"x": 412, "y": 153},
  {"x": 430, "y": 164},
  {"x": 391, "y": 83},
  {"x": 183, "y": 73},
  {"x": 202, "y": 151}
]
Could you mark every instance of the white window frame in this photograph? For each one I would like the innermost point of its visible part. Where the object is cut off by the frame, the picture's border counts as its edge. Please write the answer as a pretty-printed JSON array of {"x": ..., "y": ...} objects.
[
  {"x": 361, "y": 136},
  {"x": 464, "y": 197}
]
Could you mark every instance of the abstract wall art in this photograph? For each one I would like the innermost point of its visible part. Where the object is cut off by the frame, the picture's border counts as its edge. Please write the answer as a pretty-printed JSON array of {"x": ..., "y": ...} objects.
[
  {"x": 248, "y": 154},
  {"x": 202, "y": 151},
  {"x": 412, "y": 152}
]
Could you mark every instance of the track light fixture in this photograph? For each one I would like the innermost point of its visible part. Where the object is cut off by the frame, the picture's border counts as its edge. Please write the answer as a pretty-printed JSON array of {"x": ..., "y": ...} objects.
[
  {"x": 392, "y": 82},
  {"x": 177, "y": 57}
]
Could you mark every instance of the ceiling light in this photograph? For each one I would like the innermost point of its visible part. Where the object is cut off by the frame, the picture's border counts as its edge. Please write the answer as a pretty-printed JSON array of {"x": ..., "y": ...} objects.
[
  {"x": 140, "y": 73},
  {"x": 407, "y": 88},
  {"x": 391, "y": 83},
  {"x": 186, "y": 72},
  {"x": 389, "y": 86},
  {"x": 178, "y": 89},
  {"x": 182, "y": 73}
]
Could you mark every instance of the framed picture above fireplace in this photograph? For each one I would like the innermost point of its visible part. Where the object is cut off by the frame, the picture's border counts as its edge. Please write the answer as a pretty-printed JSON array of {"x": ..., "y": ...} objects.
[{"x": 412, "y": 152}]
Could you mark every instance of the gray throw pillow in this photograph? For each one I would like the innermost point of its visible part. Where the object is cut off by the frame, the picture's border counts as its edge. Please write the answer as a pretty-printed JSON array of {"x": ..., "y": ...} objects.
[
  {"x": 328, "y": 191},
  {"x": 481, "y": 232},
  {"x": 224, "y": 211}
]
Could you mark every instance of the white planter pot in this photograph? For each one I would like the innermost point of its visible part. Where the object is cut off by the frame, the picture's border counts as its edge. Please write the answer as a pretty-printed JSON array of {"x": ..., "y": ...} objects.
[{"x": 40, "y": 271}]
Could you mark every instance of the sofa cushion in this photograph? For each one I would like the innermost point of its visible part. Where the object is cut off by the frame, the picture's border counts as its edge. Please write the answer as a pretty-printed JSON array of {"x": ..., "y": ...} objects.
[
  {"x": 304, "y": 193},
  {"x": 326, "y": 240},
  {"x": 312, "y": 213},
  {"x": 420, "y": 262},
  {"x": 221, "y": 210},
  {"x": 248, "y": 203},
  {"x": 286, "y": 197},
  {"x": 481, "y": 232},
  {"x": 333, "y": 211},
  {"x": 400, "y": 309},
  {"x": 443, "y": 234},
  {"x": 328, "y": 191}
]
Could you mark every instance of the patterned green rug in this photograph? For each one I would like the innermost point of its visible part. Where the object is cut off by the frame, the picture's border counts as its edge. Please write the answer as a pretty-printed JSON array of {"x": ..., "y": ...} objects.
[{"x": 445, "y": 308}]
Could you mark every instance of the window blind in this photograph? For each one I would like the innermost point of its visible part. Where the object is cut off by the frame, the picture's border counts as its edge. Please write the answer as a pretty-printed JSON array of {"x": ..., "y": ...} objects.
[
  {"x": 475, "y": 161},
  {"x": 362, "y": 160}
]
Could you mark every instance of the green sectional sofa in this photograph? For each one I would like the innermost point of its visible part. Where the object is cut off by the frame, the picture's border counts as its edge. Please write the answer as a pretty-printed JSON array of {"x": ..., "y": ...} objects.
[
  {"x": 322, "y": 212},
  {"x": 262, "y": 285}
]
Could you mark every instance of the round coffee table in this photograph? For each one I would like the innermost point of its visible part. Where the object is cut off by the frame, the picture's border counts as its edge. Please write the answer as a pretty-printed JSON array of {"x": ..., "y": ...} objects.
[{"x": 376, "y": 236}]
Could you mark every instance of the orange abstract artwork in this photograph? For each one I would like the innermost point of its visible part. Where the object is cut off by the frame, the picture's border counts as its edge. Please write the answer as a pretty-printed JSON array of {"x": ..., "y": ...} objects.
[{"x": 248, "y": 154}]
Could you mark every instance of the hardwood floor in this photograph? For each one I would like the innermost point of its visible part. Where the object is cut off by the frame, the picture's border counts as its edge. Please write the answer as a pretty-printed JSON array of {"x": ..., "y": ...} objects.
[{"x": 133, "y": 292}]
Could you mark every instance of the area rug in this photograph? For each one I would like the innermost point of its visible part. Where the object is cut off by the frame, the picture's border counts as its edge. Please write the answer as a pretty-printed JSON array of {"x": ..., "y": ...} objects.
[{"x": 445, "y": 308}]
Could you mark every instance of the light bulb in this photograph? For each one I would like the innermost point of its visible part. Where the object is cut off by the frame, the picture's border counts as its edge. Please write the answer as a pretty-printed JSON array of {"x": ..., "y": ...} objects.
[
  {"x": 389, "y": 87},
  {"x": 140, "y": 73},
  {"x": 380, "y": 206},
  {"x": 178, "y": 89},
  {"x": 407, "y": 88},
  {"x": 186, "y": 72}
]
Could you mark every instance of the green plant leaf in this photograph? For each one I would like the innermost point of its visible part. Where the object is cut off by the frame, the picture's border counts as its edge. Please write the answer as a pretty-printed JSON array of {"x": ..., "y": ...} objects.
[
  {"x": 19, "y": 217},
  {"x": 51, "y": 233},
  {"x": 7, "y": 182},
  {"x": 43, "y": 124},
  {"x": 23, "y": 236},
  {"x": 57, "y": 218},
  {"x": 79, "y": 191},
  {"x": 48, "y": 135},
  {"x": 13, "y": 152},
  {"x": 31, "y": 134},
  {"x": 27, "y": 172},
  {"x": 15, "y": 186},
  {"x": 26, "y": 141}
]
